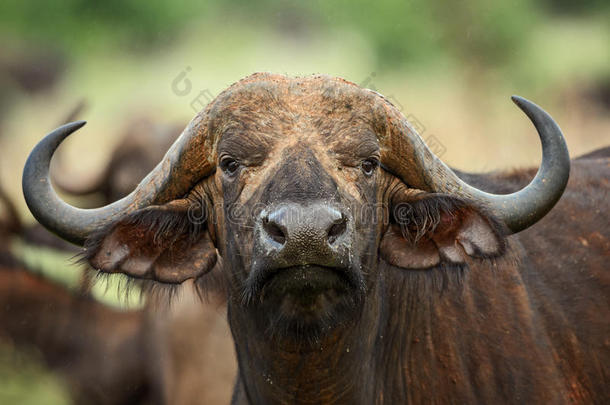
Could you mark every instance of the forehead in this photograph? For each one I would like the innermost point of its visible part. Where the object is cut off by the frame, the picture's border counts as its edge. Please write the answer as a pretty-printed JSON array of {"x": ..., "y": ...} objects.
[{"x": 275, "y": 108}]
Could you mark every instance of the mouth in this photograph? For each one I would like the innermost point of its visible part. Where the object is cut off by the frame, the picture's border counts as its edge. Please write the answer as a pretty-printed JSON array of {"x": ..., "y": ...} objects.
[
  {"x": 306, "y": 286},
  {"x": 305, "y": 300},
  {"x": 305, "y": 280}
]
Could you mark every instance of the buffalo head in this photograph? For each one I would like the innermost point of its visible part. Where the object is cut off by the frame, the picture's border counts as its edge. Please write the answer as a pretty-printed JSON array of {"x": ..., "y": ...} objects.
[{"x": 301, "y": 187}]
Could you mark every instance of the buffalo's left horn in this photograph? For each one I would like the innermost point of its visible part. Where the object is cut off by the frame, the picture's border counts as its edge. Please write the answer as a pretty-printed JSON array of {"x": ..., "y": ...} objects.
[
  {"x": 181, "y": 167},
  {"x": 518, "y": 210}
]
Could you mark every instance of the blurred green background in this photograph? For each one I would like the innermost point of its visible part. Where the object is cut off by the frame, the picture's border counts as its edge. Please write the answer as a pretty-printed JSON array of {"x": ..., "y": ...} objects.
[{"x": 450, "y": 67}]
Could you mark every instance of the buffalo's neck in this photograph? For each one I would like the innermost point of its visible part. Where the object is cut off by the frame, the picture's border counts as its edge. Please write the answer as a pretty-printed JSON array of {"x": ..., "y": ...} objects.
[{"x": 337, "y": 369}]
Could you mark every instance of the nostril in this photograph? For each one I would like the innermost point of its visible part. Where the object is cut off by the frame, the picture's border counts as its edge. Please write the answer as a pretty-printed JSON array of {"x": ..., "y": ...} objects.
[
  {"x": 274, "y": 231},
  {"x": 337, "y": 229}
]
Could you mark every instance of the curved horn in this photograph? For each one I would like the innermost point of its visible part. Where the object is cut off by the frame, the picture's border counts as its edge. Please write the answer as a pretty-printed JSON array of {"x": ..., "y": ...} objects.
[
  {"x": 518, "y": 210},
  {"x": 181, "y": 167}
]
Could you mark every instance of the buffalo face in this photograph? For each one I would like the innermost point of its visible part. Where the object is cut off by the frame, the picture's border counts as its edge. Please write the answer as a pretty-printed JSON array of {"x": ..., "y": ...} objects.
[{"x": 299, "y": 229}]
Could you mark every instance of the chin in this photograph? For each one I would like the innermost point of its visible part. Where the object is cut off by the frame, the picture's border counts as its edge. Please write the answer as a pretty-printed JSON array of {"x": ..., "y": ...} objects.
[{"x": 306, "y": 303}]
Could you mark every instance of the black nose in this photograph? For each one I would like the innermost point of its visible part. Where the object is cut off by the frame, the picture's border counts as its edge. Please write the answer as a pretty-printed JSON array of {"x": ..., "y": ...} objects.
[{"x": 304, "y": 227}]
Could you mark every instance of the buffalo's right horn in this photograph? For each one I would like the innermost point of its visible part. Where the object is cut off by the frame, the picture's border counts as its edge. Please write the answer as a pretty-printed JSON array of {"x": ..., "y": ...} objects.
[{"x": 181, "y": 167}]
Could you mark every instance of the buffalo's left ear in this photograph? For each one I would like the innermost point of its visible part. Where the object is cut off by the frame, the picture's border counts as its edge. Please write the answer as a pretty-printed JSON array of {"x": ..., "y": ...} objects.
[
  {"x": 162, "y": 243},
  {"x": 436, "y": 229}
]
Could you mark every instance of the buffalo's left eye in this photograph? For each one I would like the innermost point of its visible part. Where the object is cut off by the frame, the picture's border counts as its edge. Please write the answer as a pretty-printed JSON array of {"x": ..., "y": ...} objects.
[
  {"x": 369, "y": 166},
  {"x": 229, "y": 166}
]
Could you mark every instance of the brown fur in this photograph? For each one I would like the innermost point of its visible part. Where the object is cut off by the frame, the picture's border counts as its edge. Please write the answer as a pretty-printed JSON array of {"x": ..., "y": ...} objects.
[
  {"x": 479, "y": 317},
  {"x": 99, "y": 351}
]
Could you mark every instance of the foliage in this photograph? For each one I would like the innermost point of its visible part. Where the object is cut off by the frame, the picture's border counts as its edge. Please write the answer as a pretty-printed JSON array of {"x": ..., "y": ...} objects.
[
  {"x": 401, "y": 33},
  {"x": 83, "y": 23},
  {"x": 23, "y": 380}
]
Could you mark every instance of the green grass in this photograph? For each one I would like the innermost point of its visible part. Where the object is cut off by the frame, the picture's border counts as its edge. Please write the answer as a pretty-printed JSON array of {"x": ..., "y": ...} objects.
[
  {"x": 61, "y": 268},
  {"x": 25, "y": 381}
]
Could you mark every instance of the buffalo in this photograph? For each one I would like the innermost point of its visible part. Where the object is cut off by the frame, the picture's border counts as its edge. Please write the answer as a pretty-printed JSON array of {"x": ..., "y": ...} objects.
[
  {"x": 357, "y": 267},
  {"x": 9, "y": 219},
  {"x": 12, "y": 227},
  {"x": 97, "y": 350},
  {"x": 108, "y": 356},
  {"x": 101, "y": 354}
]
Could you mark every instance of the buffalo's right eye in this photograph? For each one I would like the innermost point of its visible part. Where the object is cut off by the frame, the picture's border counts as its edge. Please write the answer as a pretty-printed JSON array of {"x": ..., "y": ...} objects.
[
  {"x": 229, "y": 166},
  {"x": 369, "y": 166}
]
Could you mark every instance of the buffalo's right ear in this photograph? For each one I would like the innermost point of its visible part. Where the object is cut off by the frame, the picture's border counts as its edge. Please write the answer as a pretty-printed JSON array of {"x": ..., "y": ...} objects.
[{"x": 161, "y": 243}]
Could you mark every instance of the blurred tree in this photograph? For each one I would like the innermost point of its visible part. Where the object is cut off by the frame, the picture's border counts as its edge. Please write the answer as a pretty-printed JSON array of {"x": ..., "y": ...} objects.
[
  {"x": 475, "y": 36},
  {"x": 83, "y": 23},
  {"x": 416, "y": 32},
  {"x": 571, "y": 7},
  {"x": 486, "y": 33}
]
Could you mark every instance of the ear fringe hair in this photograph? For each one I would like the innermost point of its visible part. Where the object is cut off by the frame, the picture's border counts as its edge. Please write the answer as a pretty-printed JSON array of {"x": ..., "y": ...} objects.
[
  {"x": 168, "y": 224},
  {"x": 155, "y": 293},
  {"x": 422, "y": 215}
]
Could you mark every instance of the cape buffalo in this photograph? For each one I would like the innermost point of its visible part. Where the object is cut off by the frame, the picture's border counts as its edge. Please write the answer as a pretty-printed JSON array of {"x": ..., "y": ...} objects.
[
  {"x": 358, "y": 267},
  {"x": 9, "y": 219},
  {"x": 107, "y": 356},
  {"x": 103, "y": 355},
  {"x": 12, "y": 227},
  {"x": 98, "y": 351}
]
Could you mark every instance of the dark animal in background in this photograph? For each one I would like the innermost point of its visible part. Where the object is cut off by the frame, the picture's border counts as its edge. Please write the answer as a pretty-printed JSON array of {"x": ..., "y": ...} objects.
[
  {"x": 143, "y": 144},
  {"x": 31, "y": 71},
  {"x": 99, "y": 351},
  {"x": 358, "y": 267},
  {"x": 79, "y": 338},
  {"x": 9, "y": 218},
  {"x": 11, "y": 227},
  {"x": 105, "y": 355}
]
